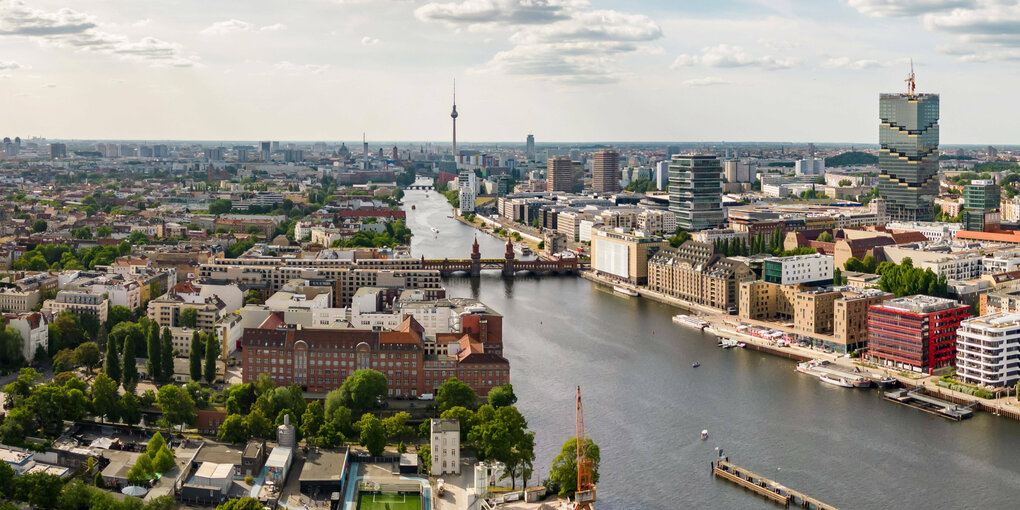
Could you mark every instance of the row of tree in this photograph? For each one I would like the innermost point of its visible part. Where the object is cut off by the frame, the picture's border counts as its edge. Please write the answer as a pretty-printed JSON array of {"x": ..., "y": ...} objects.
[
  {"x": 48, "y": 491},
  {"x": 204, "y": 346}
]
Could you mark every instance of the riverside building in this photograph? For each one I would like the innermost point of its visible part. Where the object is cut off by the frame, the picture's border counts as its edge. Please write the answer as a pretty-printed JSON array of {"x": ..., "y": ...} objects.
[
  {"x": 908, "y": 158},
  {"x": 695, "y": 192},
  {"x": 988, "y": 350},
  {"x": 915, "y": 333}
]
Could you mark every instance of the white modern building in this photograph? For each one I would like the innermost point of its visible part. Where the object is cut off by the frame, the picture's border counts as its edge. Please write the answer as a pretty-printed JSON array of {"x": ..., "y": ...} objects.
[
  {"x": 714, "y": 234},
  {"x": 738, "y": 171},
  {"x": 988, "y": 350},
  {"x": 445, "y": 442},
  {"x": 807, "y": 269},
  {"x": 810, "y": 166},
  {"x": 932, "y": 230},
  {"x": 467, "y": 189}
]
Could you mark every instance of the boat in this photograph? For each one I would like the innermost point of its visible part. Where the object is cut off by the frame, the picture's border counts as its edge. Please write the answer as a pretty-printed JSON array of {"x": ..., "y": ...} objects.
[
  {"x": 861, "y": 382},
  {"x": 806, "y": 367},
  {"x": 690, "y": 322},
  {"x": 696, "y": 364},
  {"x": 727, "y": 343},
  {"x": 412, "y": 207},
  {"x": 625, "y": 290},
  {"x": 435, "y": 230},
  {"x": 522, "y": 250},
  {"x": 887, "y": 382},
  {"x": 741, "y": 345},
  {"x": 704, "y": 434},
  {"x": 841, "y": 382}
]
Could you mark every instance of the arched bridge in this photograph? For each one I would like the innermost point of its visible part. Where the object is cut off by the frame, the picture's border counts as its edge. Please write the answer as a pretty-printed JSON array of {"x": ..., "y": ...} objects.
[{"x": 509, "y": 265}]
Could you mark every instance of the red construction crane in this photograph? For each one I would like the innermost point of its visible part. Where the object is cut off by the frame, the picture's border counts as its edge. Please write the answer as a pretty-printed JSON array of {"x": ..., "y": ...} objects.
[{"x": 585, "y": 494}]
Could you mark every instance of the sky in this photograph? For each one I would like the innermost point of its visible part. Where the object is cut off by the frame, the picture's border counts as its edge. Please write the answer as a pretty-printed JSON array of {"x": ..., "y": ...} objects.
[{"x": 565, "y": 70}]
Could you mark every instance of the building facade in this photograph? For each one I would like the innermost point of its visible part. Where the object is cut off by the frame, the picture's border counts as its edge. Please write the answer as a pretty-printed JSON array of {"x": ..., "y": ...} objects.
[
  {"x": 915, "y": 333},
  {"x": 695, "y": 192},
  {"x": 444, "y": 440},
  {"x": 908, "y": 158},
  {"x": 623, "y": 255},
  {"x": 988, "y": 350},
  {"x": 697, "y": 273},
  {"x": 811, "y": 269},
  {"x": 605, "y": 171},
  {"x": 560, "y": 174}
]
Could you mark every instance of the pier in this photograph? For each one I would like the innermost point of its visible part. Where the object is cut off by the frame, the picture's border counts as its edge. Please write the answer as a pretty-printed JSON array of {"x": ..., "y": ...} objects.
[
  {"x": 765, "y": 487},
  {"x": 914, "y": 398}
]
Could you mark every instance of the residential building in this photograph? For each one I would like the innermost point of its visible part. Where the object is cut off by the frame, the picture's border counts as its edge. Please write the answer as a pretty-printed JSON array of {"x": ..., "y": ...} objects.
[
  {"x": 908, "y": 158},
  {"x": 932, "y": 230},
  {"x": 695, "y": 192},
  {"x": 697, "y": 273},
  {"x": 915, "y": 333},
  {"x": 623, "y": 255},
  {"x": 605, "y": 173},
  {"x": 807, "y": 269},
  {"x": 981, "y": 206},
  {"x": 656, "y": 221},
  {"x": 79, "y": 303},
  {"x": 714, "y": 234},
  {"x": 810, "y": 166},
  {"x": 850, "y": 318},
  {"x": 444, "y": 441},
  {"x": 988, "y": 350},
  {"x": 34, "y": 331},
  {"x": 17, "y": 300},
  {"x": 738, "y": 171},
  {"x": 560, "y": 174}
]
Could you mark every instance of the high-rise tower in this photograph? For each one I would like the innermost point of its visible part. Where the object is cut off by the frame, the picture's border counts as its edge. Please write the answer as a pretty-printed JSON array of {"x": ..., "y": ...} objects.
[
  {"x": 530, "y": 147},
  {"x": 453, "y": 115},
  {"x": 908, "y": 158},
  {"x": 605, "y": 172}
]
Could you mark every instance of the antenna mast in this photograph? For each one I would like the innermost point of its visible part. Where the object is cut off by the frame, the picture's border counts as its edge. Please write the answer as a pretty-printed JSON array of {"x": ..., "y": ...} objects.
[{"x": 910, "y": 80}]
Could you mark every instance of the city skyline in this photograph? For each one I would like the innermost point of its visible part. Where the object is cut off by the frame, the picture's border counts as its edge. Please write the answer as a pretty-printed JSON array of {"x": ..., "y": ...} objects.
[{"x": 121, "y": 70}]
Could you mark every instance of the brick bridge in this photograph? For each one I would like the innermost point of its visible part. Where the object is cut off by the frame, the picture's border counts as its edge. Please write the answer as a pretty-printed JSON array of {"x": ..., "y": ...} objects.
[{"x": 508, "y": 265}]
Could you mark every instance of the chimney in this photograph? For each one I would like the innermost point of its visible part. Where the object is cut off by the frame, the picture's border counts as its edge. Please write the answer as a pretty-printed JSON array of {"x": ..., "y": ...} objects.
[{"x": 483, "y": 330}]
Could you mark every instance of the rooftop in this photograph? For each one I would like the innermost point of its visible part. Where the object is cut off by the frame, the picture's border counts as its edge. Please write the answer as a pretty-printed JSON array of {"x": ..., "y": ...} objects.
[
  {"x": 324, "y": 465},
  {"x": 996, "y": 320},
  {"x": 920, "y": 304}
]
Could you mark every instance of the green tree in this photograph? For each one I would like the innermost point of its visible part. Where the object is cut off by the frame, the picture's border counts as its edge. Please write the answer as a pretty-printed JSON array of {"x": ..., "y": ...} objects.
[
  {"x": 233, "y": 429},
  {"x": 195, "y": 357},
  {"x": 259, "y": 425},
  {"x": 330, "y": 435},
  {"x": 118, "y": 314},
  {"x": 87, "y": 355},
  {"x": 221, "y": 206},
  {"x": 130, "y": 409},
  {"x": 188, "y": 318},
  {"x": 372, "y": 434},
  {"x": 455, "y": 393},
  {"x": 396, "y": 426},
  {"x": 465, "y": 416},
  {"x": 212, "y": 353},
  {"x": 166, "y": 354},
  {"x": 564, "y": 466},
  {"x": 130, "y": 366},
  {"x": 502, "y": 396},
  {"x": 178, "y": 407},
  {"x": 163, "y": 461},
  {"x": 363, "y": 389},
  {"x": 112, "y": 362},
  {"x": 153, "y": 354},
  {"x": 39, "y": 226},
  {"x": 425, "y": 457},
  {"x": 313, "y": 418},
  {"x": 245, "y": 503},
  {"x": 104, "y": 232},
  {"x": 825, "y": 237},
  {"x": 104, "y": 397}
]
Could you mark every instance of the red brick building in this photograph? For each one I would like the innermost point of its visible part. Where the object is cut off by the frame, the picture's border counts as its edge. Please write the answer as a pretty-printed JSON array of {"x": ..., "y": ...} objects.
[
  {"x": 319, "y": 360},
  {"x": 916, "y": 333}
]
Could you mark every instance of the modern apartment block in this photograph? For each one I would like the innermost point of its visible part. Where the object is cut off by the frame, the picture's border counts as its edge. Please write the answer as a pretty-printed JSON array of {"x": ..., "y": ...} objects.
[
  {"x": 915, "y": 333},
  {"x": 605, "y": 172},
  {"x": 623, "y": 255},
  {"x": 695, "y": 192},
  {"x": 560, "y": 174},
  {"x": 988, "y": 350},
  {"x": 78, "y": 303},
  {"x": 696, "y": 272},
  {"x": 908, "y": 158},
  {"x": 981, "y": 205},
  {"x": 811, "y": 269}
]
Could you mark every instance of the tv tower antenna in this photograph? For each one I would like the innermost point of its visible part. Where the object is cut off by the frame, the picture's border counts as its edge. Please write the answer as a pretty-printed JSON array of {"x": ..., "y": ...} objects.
[{"x": 910, "y": 80}]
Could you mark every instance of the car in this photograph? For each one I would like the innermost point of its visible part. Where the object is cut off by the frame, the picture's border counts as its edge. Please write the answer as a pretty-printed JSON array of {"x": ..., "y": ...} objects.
[{"x": 426, "y": 396}]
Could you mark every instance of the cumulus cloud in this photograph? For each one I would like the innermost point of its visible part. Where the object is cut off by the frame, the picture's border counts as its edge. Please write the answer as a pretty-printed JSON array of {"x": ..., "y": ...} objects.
[
  {"x": 848, "y": 63},
  {"x": 564, "y": 39},
  {"x": 10, "y": 65},
  {"x": 276, "y": 27},
  {"x": 68, "y": 28},
  {"x": 296, "y": 69},
  {"x": 725, "y": 55},
  {"x": 230, "y": 26},
  {"x": 989, "y": 22},
  {"x": 708, "y": 81},
  {"x": 901, "y": 8},
  {"x": 368, "y": 41}
]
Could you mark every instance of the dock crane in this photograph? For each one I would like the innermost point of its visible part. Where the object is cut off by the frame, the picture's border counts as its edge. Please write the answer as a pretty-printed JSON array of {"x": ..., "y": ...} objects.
[{"x": 585, "y": 494}]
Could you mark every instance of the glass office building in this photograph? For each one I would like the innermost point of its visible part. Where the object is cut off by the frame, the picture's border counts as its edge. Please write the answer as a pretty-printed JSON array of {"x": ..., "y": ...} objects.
[
  {"x": 695, "y": 192},
  {"x": 908, "y": 159}
]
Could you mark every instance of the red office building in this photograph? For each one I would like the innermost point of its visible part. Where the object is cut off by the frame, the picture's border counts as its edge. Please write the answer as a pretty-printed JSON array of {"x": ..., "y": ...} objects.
[{"x": 915, "y": 333}]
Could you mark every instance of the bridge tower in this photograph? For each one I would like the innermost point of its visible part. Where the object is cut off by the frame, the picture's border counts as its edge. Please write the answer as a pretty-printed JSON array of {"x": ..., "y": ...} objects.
[
  {"x": 508, "y": 259},
  {"x": 476, "y": 259}
]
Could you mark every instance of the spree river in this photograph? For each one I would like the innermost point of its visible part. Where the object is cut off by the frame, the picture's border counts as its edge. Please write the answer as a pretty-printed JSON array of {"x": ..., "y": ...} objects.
[{"x": 645, "y": 406}]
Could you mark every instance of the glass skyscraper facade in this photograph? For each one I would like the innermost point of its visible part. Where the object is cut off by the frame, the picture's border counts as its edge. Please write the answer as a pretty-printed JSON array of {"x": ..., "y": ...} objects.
[
  {"x": 695, "y": 192},
  {"x": 908, "y": 159}
]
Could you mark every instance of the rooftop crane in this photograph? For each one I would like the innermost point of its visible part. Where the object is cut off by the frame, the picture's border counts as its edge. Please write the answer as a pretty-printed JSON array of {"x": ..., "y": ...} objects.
[{"x": 585, "y": 494}]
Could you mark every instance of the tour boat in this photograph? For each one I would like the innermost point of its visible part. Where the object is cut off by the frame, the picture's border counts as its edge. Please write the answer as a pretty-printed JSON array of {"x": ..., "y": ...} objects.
[
  {"x": 690, "y": 322},
  {"x": 522, "y": 250},
  {"x": 806, "y": 368},
  {"x": 861, "y": 382},
  {"x": 727, "y": 343},
  {"x": 696, "y": 364},
  {"x": 841, "y": 382},
  {"x": 624, "y": 290}
]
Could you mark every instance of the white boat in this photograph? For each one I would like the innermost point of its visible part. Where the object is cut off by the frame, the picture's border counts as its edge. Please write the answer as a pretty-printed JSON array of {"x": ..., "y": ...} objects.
[
  {"x": 435, "y": 230},
  {"x": 625, "y": 290},
  {"x": 841, "y": 382},
  {"x": 696, "y": 364},
  {"x": 806, "y": 368},
  {"x": 522, "y": 249},
  {"x": 704, "y": 434},
  {"x": 727, "y": 343},
  {"x": 741, "y": 345},
  {"x": 690, "y": 322}
]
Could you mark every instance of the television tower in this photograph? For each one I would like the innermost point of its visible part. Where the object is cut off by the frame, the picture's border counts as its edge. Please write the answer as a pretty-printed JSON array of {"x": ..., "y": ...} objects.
[{"x": 453, "y": 115}]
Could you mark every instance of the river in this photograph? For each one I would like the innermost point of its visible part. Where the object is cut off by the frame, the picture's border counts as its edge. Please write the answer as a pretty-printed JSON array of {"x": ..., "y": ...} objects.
[{"x": 645, "y": 406}]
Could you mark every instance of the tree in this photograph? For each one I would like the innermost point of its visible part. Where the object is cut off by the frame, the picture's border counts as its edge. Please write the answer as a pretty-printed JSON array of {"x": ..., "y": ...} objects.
[
  {"x": 825, "y": 237},
  {"x": 188, "y": 318},
  {"x": 178, "y": 407},
  {"x": 153, "y": 354},
  {"x": 87, "y": 355},
  {"x": 245, "y": 503},
  {"x": 104, "y": 232},
  {"x": 163, "y": 461},
  {"x": 329, "y": 435},
  {"x": 166, "y": 353},
  {"x": 363, "y": 389},
  {"x": 212, "y": 353},
  {"x": 118, "y": 314},
  {"x": 39, "y": 489},
  {"x": 130, "y": 409},
  {"x": 39, "y": 226},
  {"x": 837, "y": 277},
  {"x": 313, "y": 418},
  {"x": 259, "y": 425},
  {"x": 104, "y": 397},
  {"x": 195, "y": 357},
  {"x": 454, "y": 393},
  {"x": 112, "y": 362},
  {"x": 396, "y": 426},
  {"x": 130, "y": 366},
  {"x": 502, "y": 396},
  {"x": 372, "y": 434},
  {"x": 233, "y": 429},
  {"x": 220, "y": 206},
  {"x": 425, "y": 456},
  {"x": 564, "y": 466},
  {"x": 64, "y": 360}
]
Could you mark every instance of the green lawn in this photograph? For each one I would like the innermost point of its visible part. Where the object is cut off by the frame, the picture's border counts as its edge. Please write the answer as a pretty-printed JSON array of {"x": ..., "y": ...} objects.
[{"x": 389, "y": 502}]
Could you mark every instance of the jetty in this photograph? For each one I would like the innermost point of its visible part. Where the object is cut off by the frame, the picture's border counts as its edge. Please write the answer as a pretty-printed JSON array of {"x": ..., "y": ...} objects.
[
  {"x": 914, "y": 398},
  {"x": 765, "y": 487}
]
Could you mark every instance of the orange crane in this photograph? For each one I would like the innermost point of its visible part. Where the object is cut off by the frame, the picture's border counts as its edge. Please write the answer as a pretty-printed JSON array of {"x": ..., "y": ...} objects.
[{"x": 585, "y": 494}]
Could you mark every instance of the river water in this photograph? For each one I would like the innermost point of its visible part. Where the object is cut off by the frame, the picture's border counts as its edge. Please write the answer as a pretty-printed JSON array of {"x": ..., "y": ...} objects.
[{"x": 645, "y": 406}]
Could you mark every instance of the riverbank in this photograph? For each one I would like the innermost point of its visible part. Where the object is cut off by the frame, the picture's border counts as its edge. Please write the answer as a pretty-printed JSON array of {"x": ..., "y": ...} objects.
[
  {"x": 481, "y": 221},
  {"x": 654, "y": 296}
]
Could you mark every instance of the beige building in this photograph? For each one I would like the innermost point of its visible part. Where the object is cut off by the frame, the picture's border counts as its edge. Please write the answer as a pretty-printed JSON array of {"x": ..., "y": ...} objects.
[
  {"x": 850, "y": 318},
  {"x": 78, "y": 303},
  {"x": 623, "y": 256},
  {"x": 560, "y": 174},
  {"x": 696, "y": 272},
  {"x": 18, "y": 301}
]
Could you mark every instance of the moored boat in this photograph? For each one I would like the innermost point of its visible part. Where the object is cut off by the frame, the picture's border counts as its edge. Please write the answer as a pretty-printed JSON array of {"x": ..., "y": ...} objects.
[
  {"x": 691, "y": 322},
  {"x": 841, "y": 382},
  {"x": 625, "y": 290}
]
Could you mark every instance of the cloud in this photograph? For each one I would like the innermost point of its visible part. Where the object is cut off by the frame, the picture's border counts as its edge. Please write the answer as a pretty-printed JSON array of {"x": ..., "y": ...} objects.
[
  {"x": 704, "y": 82},
  {"x": 296, "y": 69},
  {"x": 68, "y": 28},
  {"x": 847, "y": 63},
  {"x": 230, "y": 26},
  {"x": 903, "y": 8},
  {"x": 368, "y": 41},
  {"x": 276, "y": 27},
  {"x": 49, "y": 86},
  {"x": 989, "y": 22},
  {"x": 10, "y": 65},
  {"x": 725, "y": 55},
  {"x": 561, "y": 39},
  {"x": 507, "y": 12}
]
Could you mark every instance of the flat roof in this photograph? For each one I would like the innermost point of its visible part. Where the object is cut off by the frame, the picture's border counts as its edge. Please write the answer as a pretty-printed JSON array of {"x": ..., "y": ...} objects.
[
  {"x": 218, "y": 454},
  {"x": 324, "y": 465}
]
